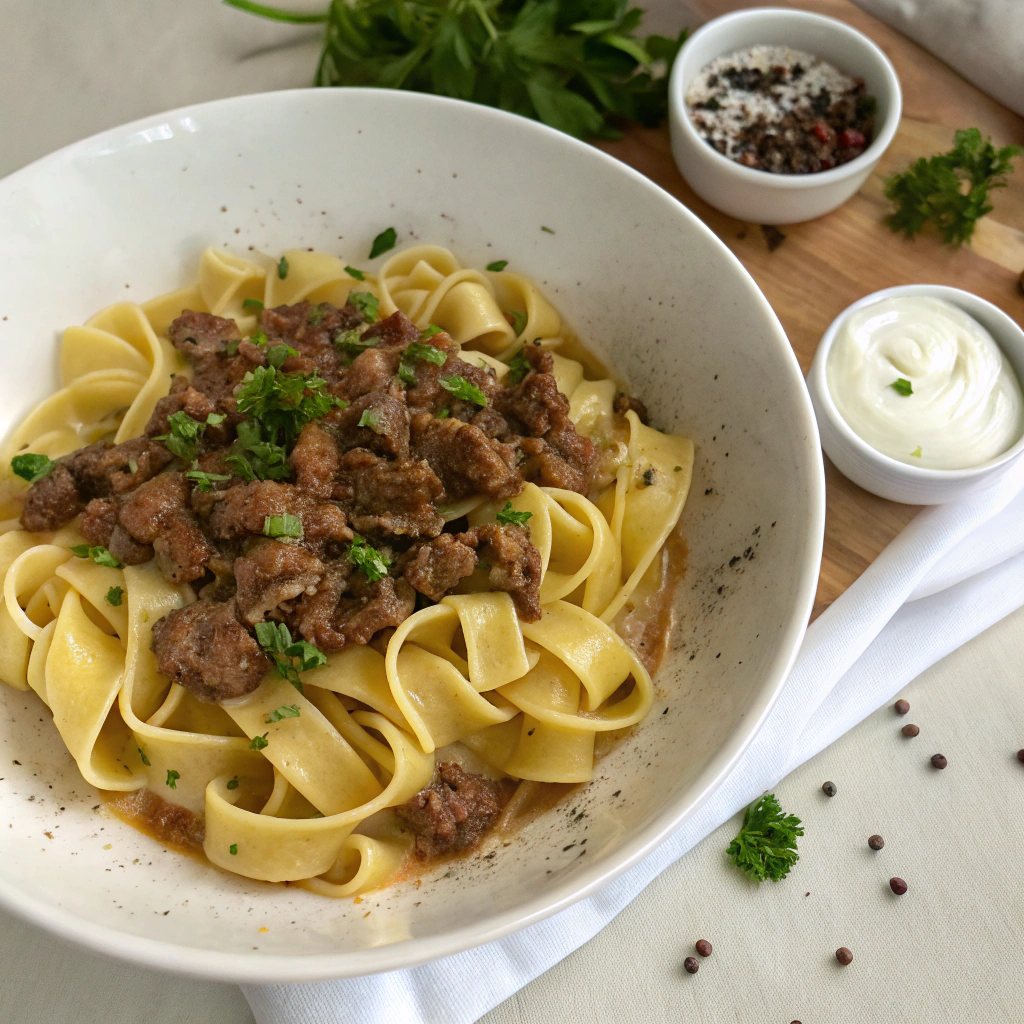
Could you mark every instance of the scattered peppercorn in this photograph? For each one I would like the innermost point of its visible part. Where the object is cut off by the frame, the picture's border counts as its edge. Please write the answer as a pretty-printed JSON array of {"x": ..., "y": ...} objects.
[
  {"x": 844, "y": 956},
  {"x": 938, "y": 761},
  {"x": 910, "y": 730},
  {"x": 898, "y": 886},
  {"x": 703, "y": 947},
  {"x": 691, "y": 965},
  {"x": 901, "y": 707},
  {"x": 829, "y": 788},
  {"x": 1020, "y": 755},
  {"x": 876, "y": 842}
]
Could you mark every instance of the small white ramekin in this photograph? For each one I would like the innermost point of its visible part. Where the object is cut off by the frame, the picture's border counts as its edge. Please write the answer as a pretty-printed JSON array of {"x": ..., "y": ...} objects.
[
  {"x": 880, "y": 474},
  {"x": 761, "y": 197}
]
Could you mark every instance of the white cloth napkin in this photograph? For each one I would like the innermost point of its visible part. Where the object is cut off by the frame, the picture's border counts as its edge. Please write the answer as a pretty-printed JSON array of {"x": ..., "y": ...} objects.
[{"x": 952, "y": 573}]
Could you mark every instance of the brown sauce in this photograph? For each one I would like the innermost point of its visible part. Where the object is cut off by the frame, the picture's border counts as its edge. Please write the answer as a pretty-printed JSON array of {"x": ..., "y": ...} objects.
[{"x": 167, "y": 823}]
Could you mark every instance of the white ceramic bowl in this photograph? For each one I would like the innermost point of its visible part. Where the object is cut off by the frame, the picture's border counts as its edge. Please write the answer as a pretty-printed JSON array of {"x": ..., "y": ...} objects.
[
  {"x": 125, "y": 215},
  {"x": 761, "y": 197},
  {"x": 888, "y": 477}
]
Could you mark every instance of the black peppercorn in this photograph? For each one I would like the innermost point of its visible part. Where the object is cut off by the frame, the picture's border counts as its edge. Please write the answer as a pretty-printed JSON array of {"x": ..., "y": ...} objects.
[
  {"x": 898, "y": 886},
  {"x": 938, "y": 761},
  {"x": 901, "y": 707},
  {"x": 1020, "y": 755},
  {"x": 844, "y": 956},
  {"x": 829, "y": 788},
  {"x": 876, "y": 842},
  {"x": 910, "y": 730},
  {"x": 703, "y": 947},
  {"x": 691, "y": 965}
]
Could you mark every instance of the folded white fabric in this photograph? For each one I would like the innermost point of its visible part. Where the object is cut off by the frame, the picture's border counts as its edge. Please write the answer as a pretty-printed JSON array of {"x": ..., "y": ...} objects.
[{"x": 954, "y": 571}]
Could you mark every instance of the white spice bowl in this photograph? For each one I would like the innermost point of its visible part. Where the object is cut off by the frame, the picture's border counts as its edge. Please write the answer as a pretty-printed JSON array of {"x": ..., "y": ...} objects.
[
  {"x": 888, "y": 477},
  {"x": 762, "y": 197}
]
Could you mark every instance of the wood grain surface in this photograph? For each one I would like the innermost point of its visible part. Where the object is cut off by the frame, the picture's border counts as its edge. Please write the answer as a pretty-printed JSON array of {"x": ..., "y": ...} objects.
[{"x": 825, "y": 264}]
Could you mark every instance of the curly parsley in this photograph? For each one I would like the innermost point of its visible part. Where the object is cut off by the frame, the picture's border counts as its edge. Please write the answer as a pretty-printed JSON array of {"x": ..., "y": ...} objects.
[{"x": 766, "y": 844}]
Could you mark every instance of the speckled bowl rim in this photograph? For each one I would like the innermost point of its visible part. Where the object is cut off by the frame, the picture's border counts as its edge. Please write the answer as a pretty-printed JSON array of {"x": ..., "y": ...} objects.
[{"x": 263, "y": 968}]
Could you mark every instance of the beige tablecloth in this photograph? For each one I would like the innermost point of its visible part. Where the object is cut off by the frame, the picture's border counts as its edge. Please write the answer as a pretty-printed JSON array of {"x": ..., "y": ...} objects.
[{"x": 948, "y": 951}]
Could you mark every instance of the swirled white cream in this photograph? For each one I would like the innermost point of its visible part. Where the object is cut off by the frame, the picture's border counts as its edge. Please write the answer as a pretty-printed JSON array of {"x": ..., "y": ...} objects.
[{"x": 966, "y": 405}]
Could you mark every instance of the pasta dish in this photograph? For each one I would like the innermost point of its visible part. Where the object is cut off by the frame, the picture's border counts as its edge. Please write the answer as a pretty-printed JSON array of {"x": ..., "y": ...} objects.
[{"x": 329, "y": 573}]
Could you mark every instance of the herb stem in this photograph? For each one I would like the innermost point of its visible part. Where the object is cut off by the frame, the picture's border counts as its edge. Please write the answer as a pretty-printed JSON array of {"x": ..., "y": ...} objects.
[{"x": 276, "y": 14}]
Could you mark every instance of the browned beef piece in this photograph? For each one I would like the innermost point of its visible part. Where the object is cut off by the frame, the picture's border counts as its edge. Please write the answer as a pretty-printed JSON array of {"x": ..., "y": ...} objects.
[
  {"x": 566, "y": 459},
  {"x": 455, "y": 811},
  {"x": 272, "y": 573},
  {"x": 51, "y": 502},
  {"x": 539, "y": 358},
  {"x": 202, "y": 335},
  {"x": 182, "y": 397},
  {"x": 429, "y": 395},
  {"x": 439, "y": 565},
  {"x": 465, "y": 459},
  {"x": 624, "y": 403},
  {"x": 158, "y": 513},
  {"x": 492, "y": 423},
  {"x": 126, "y": 549},
  {"x": 395, "y": 331},
  {"x": 208, "y": 651},
  {"x": 102, "y": 468},
  {"x": 99, "y": 520},
  {"x": 515, "y": 564},
  {"x": 371, "y": 370},
  {"x": 316, "y": 615},
  {"x": 536, "y": 403},
  {"x": 386, "y": 420},
  {"x": 370, "y": 607},
  {"x": 394, "y": 497},
  {"x": 309, "y": 329},
  {"x": 242, "y": 510},
  {"x": 315, "y": 461}
]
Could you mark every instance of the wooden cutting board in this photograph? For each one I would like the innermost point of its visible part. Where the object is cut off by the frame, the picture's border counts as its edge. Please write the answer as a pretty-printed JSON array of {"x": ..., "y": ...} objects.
[{"x": 824, "y": 265}]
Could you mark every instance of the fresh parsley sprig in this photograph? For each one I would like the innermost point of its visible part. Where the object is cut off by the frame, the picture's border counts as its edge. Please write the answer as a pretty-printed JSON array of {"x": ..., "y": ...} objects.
[
  {"x": 373, "y": 563},
  {"x": 509, "y": 516},
  {"x": 419, "y": 350},
  {"x": 183, "y": 439},
  {"x": 283, "y": 403},
  {"x": 32, "y": 467},
  {"x": 290, "y": 657},
  {"x": 766, "y": 844},
  {"x": 573, "y": 64},
  {"x": 98, "y": 554},
  {"x": 464, "y": 389},
  {"x": 950, "y": 190}
]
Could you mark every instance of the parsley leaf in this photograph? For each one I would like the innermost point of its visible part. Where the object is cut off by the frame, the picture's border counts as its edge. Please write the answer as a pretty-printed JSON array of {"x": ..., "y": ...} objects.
[
  {"x": 283, "y": 403},
  {"x": 259, "y": 742},
  {"x": 518, "y": 319},
  {"x": 172, "y": 778},
  {"x": 902, "y": 386},
  {"x": 383, "y": 242},
  {"x": 374, "y": 563},
  {"x": 462, "y": 388},
  {"x": 277, "y": 354},
  {"x": 497, "y": 265},
  {"x": 366, "y": 303},
  {"x": 233, "y": 848},
  {"x": 950, "y": 190},
  {"x": 370, "y": 418},
  {"x": 766, "y": 844},
  {"x": 357, "y": 274},
  {"x": 351, "y": 343},
  {"x": 284, "y": 711},
  {"x": 115, "y": 595},
  {"x": 282, "y": 526},
  {"x": 205, "y": 481},
  {"x": 282, "y": 268},
  {"x": 99, "y": 554},
  {"x": 290, "y": 656},
  {"x": 252, "y": 305},
  {"x": 419, "y": 350},
  {"x": 32, "y": 467},
  {"x": 253, "y": 458},
  {"x": 508, "y": 515},
  {"x": 183, "y": 440},
  {"x": 518, "y": 367},
  {"x": 233, "y": 783},
  {"x": 430, "y": 331},
  {"x": 145, "y": 760}
]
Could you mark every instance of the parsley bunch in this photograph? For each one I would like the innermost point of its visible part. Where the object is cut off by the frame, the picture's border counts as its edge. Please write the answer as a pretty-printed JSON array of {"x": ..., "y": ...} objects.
[
  {"x": 572, "y": 64},
  {"x": 766, "y": 844},
  {"x": 950, "y": 189}
]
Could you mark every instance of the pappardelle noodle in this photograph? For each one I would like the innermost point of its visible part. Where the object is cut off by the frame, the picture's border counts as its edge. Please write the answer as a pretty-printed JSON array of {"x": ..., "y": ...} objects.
[{"x": 303, "y": 543}]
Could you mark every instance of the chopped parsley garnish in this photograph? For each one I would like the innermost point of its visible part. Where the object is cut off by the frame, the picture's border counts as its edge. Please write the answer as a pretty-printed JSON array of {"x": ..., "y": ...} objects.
[
  {"x": 98, "y": 553},
  {"x": 133, "y": 466},
  {"x": 518, "y": 367},
  {"x": 508, "y": 515},
  {"x": 284, "y": 711},
  {"x": 315, "y": 315},
  {"x": 215, "y": 419},
  {"x": 351, "y": 343},
  {"x": 902, "y": 386},
  {"x": 277, "y": 354},
  {"x": 183, "y": 440},
  {"x": 233, "y": 783},
  {"x": 462, "y": 388},
  {"x": 357, "y": 274},
  {"x": 444, "y": 413},
  {"x": 142, "y": 754},
  {"x": 367, "y": 304},
  {"x": 518, "y": 319},
  {"x": 290, "y": 657},
  {"x": 430, "y": 331},
  {"x": 497, "y": 265},
  {"x": 950, "y": 189},
  {"x": 677, "y": 469},
  {"x": 285, "y": 525},
  {"x": 252, "y": 458},
  {"x": 205, "y": 481},
  {"x": 283, "y": 403},
  {"x": 231, "y": 348},
  {"x": 259, "y": 339},
  {"x": 282, "y": 267},
  {"x": 370, "y": 418},
  {"x": 252, "y": 305},
  {"x": 172, "y": 778},
  {"x": 373, "y": 563},
  {"x": 916, "y": 453},
  {"x": 419, "y": 350},
  {"x": 32, "y": 467},
  {"x": 544, "y": 227},
  {"x": 115, "y": 595},
  {"x": 233, "y": 849},
  {"x": 766, "y": 844},
  {"x": 383, "y": 242},
  {"x": 259, "y": 742}
]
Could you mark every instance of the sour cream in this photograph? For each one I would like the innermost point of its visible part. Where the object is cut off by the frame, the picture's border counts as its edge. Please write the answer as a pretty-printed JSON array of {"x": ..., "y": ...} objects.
[{"x": 965, "y": 405}]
